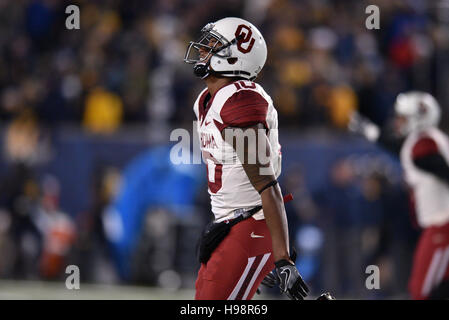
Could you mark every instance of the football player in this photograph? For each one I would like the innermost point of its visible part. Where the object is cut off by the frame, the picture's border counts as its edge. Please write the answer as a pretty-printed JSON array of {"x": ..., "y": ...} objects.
[
  {"x": 249, "y": 215},
  {"x": 424, "y": 157}
]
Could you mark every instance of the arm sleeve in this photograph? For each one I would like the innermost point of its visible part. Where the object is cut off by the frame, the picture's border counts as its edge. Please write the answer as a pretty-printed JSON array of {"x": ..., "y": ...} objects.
[{"x": 426, "y": 156}]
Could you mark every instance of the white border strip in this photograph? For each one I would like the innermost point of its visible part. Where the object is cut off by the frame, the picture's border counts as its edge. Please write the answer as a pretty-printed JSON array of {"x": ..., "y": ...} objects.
[
  {"x": 236, "y": 290},
  {"x": 256, "y": 274}
]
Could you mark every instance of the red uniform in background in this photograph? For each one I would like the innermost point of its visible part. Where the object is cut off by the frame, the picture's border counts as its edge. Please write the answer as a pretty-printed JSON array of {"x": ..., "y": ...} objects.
[{"x": 431, "y": 197}]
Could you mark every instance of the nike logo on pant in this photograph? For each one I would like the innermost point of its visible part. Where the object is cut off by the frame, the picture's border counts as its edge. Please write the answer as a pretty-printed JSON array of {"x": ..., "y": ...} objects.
[{"x": 256, "y": 235}]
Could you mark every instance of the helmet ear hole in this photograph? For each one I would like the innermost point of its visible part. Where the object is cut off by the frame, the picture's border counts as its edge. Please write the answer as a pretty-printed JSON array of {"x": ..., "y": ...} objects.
[
  {"x": 422, "y": 109},
  {"x": 232, "y": 60}
]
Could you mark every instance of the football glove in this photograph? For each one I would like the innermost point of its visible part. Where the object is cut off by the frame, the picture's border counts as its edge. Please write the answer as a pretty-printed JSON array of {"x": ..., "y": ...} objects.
[
  {"x": 326, "y": 296},
  {"x": 290, "y": 281},
  {"x": 270, "y": 279}
]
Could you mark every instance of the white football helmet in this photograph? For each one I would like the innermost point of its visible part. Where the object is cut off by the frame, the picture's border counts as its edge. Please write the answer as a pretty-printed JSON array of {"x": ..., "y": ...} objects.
[
  {"x": 239, "y": 50},
  {"x": 420, "y": 111}
]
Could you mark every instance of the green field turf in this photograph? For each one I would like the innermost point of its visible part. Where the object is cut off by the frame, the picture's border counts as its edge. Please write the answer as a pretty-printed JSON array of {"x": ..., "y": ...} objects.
[{"x": 30, "y": 290}]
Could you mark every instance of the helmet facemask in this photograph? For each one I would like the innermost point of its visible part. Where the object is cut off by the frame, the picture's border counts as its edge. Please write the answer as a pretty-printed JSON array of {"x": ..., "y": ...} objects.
[{"x": 220, "y": 47}]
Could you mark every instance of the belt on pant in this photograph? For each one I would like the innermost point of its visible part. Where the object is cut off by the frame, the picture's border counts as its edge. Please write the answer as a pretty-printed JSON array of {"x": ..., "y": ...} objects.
[{"x": 244, "y": 214}]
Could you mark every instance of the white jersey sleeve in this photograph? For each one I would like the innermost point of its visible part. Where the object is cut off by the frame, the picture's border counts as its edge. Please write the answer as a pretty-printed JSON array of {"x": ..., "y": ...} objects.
[{"x": 431, "y": 194}]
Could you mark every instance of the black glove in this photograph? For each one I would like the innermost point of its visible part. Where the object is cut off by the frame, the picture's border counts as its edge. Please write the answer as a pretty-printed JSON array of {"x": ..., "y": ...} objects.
[
  {"x": 326, "y": 296},
  {"x": 271, "y": 279},
  {"x": 290, "y": 281}
]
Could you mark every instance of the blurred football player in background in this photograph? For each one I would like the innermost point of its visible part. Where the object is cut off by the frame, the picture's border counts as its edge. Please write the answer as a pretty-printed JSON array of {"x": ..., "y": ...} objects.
[
  {"x": 231, "y": 53},
  {"x": 424, "y": 157}
]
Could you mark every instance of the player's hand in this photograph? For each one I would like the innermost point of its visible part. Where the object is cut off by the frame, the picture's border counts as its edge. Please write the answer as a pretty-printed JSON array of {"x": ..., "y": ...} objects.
[
  {"x": 290, "y": 281},
  {"x": 271, "y": 279},
  {"x": 362, "y": 125}
]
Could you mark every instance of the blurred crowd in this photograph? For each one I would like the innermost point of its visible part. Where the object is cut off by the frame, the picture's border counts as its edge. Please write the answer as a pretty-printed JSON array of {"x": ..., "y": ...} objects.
[{"x": 124, "y": 67}]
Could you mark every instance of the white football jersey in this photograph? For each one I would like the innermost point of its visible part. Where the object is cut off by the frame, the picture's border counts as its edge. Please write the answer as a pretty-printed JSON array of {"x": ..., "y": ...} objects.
[
  {"x": 430, "y": 193},
  {"x": 239, "y": 104}
]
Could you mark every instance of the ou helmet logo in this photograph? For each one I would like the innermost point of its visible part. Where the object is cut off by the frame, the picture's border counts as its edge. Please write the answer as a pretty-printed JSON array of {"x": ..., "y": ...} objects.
[{"x": 243, "y": 35}]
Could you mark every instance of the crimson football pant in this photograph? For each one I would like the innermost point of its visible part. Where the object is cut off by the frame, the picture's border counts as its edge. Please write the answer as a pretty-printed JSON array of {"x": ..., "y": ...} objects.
[
  {"x": 238, "y": 265},
  {"x": 431, "y": 262}
]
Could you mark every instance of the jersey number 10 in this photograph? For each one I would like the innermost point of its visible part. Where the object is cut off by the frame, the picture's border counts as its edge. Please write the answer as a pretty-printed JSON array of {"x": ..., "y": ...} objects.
[{"x": 214, "y": 172}]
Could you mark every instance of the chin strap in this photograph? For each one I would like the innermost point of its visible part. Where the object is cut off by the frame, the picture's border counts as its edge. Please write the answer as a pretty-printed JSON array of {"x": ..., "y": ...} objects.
[{"x": 201, "y": 69}]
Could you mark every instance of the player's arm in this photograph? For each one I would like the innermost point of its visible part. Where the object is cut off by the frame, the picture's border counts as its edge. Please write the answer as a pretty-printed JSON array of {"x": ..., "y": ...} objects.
[
  {"x": 243, "y": 116},
  {"x": 260, "y": 174},
  {"x": 426, "y": 156},
  {"x": 384, "y": 136},
  {"x": 254, "y": 154}
]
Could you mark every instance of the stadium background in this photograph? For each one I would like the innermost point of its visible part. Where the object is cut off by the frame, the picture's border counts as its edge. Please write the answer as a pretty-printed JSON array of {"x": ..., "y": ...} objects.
[{"x": 85, "y": 120}]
